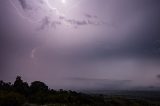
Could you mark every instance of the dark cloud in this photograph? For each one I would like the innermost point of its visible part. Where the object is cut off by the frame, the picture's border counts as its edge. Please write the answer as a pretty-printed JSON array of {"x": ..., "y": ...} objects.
[
  {"x": 45, "y": 23},
  {"x": 84, "y": 22},
  {"x": 26, "y": 6},
  {"x": 90, "y": 16},
  {"x": 158, "y": 76},
  {"x": 76, "y": 22},
  {"x": 23, "y": 4}
]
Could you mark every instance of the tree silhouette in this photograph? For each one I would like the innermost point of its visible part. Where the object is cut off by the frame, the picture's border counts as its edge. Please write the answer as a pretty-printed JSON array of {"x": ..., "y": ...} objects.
[
  {"x": 21, "y": 94},
  {"x": 5, "y": 86},
  {"x": 20, "y": 86},
  {"x": 38, "y": 86}
]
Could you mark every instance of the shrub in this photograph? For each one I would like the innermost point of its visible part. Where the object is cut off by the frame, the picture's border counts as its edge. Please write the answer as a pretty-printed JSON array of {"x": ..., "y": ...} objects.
[{"x": 11, "y": 99}]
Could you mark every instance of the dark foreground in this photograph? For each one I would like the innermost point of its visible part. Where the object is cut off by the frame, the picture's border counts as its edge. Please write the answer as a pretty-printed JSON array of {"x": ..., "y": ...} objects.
[{"x": 38, "y": 94}]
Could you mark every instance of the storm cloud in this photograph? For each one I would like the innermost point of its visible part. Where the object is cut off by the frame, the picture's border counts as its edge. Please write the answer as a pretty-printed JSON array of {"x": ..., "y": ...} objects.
[{"x": 95, "y": 44}]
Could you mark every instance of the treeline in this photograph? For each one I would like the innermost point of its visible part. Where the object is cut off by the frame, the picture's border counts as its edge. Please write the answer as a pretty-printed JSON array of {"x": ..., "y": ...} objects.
[
  {"x": 20, "y": 93},
  {"x": 37, "y": 92}
]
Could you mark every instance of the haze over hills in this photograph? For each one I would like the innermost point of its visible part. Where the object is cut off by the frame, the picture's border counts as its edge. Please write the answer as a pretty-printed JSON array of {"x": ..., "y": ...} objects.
[{"x": 37, "y": 93}]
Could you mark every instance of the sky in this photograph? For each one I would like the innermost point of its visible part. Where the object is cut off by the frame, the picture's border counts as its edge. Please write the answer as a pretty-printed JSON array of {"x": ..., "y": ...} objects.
[{"x": 81, "y": 44}]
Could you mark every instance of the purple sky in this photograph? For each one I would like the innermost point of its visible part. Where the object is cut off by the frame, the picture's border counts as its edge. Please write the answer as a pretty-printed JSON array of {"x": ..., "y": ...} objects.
[{"x": 81, "y": 44}]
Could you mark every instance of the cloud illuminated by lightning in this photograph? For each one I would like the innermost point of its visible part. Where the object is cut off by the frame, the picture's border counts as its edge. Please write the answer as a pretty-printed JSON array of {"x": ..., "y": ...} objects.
[
  {"x": 46, "y": 4},
  {"x": 47, "y": 19},
  {"x": 21, "y": 15}
]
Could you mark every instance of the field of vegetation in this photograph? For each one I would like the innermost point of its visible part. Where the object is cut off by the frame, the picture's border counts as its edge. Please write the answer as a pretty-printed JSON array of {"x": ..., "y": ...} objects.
[{"x": 38, "y": 94}]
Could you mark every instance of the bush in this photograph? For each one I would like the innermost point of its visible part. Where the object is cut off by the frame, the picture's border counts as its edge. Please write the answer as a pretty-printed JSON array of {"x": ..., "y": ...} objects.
[{"x": 11, "y": 99}]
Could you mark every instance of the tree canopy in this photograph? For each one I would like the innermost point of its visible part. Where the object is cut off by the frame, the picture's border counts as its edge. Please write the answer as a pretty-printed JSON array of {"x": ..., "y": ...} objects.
[{"x": 20, "y": 93}]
